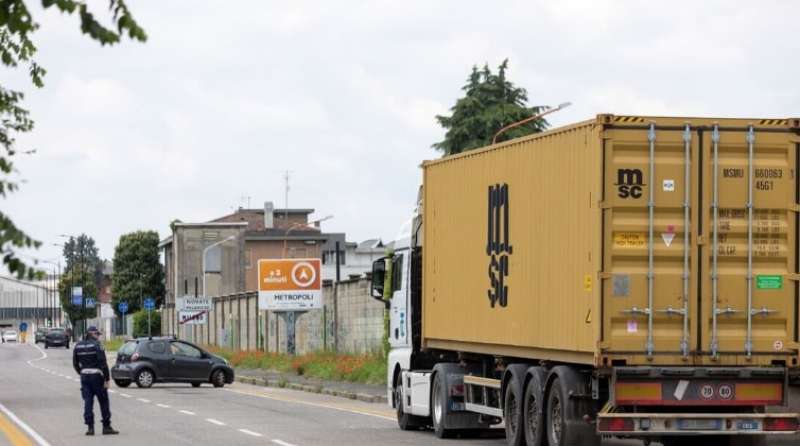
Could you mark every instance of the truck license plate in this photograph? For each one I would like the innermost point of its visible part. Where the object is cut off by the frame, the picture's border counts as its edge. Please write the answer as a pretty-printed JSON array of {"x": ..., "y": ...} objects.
[
  {"x": 700, "y": 425},
  {"x": 456, "y": 406},
  {"x": 747, "y": 425}
]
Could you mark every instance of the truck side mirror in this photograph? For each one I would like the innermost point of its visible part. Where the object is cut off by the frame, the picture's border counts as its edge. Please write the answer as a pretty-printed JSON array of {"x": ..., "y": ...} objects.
[{"x": 378, "y": 277}]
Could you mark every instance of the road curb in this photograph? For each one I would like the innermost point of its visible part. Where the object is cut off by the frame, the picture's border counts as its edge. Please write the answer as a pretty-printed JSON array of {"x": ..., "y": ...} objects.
[{"x": 263, "y": 382}]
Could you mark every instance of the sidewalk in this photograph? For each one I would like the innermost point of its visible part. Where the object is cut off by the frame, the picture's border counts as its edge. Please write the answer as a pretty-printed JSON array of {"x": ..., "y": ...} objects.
[{"x": 370, "y": 393}]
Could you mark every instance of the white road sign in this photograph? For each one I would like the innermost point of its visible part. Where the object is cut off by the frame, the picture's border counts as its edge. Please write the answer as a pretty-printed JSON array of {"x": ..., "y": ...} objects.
[
  {"x": 191, "y": 303},
  {"x": 192, "y": 317}
]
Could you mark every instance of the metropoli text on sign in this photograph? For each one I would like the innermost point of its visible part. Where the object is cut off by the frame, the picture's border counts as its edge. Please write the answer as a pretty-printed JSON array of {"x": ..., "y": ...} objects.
[{"x": 289, "y": 284}]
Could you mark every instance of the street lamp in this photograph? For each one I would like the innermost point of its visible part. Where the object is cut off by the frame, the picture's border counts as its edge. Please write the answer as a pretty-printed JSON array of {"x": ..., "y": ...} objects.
[
  {"x": 549, "y": 110},
  {"x": 54, "y": 292},
  {"x": 311, "y": 225},
  {"x": 205, "y": 251}
]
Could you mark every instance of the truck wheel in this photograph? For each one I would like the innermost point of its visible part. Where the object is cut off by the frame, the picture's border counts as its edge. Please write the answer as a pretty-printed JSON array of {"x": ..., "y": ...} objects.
[
  {"x": 513, "y": 402},
  {"x": 534, "y": 426},
  {"x": 439, "y": 406},
  {"x": 407, "y": 422}
]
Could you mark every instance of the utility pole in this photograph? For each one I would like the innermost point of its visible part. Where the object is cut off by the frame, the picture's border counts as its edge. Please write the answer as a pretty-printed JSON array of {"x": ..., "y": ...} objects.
[{"x": 336, "y": 303}]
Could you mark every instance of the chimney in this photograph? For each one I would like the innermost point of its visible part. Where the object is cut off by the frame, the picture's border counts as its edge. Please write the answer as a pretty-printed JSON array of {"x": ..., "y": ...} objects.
[{"x": 269, "y": 210}]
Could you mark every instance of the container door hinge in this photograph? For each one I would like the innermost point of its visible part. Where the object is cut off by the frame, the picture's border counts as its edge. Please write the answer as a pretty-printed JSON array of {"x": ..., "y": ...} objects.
[
  {"x": 604, "y": 275},
  {"x": 795, "y": 277},
  {"x": 701, "y": 240}
]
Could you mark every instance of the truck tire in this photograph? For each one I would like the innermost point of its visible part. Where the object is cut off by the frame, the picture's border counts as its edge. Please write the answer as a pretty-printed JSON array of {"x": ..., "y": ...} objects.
[
  {"x": 565, "y": 410},
  {"x": 533, "y": 409},
  {"x": 439, "y": 406},
  {"x": 513, "y": 402},
  {"x": 407, "y": 422}
]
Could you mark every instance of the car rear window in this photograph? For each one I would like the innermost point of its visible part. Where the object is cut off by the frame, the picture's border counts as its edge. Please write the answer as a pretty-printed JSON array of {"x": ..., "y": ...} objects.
[
  {"x": 128, "y": 348},
  {"x": 57, "y": 330}
]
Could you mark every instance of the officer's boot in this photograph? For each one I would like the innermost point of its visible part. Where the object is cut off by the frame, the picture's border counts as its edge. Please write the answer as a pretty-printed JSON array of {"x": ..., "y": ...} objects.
[
  {"x": 108, "y": 430},
  {"x": 90, "y": 430}
]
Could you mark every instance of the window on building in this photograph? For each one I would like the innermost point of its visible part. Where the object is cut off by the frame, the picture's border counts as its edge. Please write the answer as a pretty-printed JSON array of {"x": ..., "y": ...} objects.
[
  {"x": 329, "y": 257},
  {"x": 248, "y": 258}
]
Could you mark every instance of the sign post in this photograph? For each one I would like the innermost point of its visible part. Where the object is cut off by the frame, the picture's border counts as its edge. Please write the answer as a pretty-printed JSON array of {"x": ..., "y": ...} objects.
[
  {"x": 149, "y": 304},
  {"x": 289, "y": 287},
  {"x": 123, "y": 308}
]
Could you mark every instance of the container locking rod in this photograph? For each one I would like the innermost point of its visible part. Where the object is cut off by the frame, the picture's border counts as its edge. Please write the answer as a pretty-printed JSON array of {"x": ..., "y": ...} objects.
[
  {"x": 715, "y": 240},
  {"x": 751, "y": 139},
  {"x": 651, "y": 138},
  {"x": 687, "y": 141}
]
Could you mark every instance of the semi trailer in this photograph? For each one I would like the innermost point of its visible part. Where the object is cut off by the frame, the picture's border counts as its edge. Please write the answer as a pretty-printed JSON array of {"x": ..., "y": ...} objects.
[{"x": 625, "y": 276}]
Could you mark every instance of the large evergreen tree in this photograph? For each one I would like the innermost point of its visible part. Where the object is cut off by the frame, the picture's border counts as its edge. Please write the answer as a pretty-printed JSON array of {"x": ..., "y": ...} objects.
[
  {"x": 81, "y": 254},
  {"x": 490, "y": 103},
  {"x": 17, "y": 50},
  {"x": 137, "y": 270}
]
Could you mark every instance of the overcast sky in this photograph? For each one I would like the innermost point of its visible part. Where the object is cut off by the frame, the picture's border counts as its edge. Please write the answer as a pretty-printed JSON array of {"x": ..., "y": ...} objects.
[{"x": 224, "y": 96}]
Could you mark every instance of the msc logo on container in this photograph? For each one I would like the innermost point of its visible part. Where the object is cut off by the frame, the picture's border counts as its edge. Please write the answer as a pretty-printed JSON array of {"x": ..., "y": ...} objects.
[
  {"x": 629, "y": 183},
  {"x": 498, "y": 244}
]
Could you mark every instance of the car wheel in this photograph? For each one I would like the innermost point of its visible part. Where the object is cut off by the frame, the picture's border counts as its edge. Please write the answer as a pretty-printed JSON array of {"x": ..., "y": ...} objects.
[
  {"x": 122, "y": 382},
  {"x": 145, "y": 378},
  {"x": 218, "y": 378},
  {"x": 195, "y": 384}
]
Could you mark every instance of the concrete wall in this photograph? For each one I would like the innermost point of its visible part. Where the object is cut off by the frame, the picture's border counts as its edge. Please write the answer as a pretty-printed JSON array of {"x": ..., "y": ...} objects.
[{"x": 236, "y": 323}]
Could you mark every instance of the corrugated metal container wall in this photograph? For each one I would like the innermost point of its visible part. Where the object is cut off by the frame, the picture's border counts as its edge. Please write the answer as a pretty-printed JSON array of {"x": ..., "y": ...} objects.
[
  {"x": 552, "y": 246},
  {"x": 508, "y": 252}
]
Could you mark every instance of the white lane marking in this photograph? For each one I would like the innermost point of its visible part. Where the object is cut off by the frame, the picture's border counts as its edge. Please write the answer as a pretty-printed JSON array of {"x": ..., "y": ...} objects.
[
  {"x": 124, "y": 395},
  {"x": 142, "y": 400},
  {"x": 251, "y": 433},
  {"x": 187, "y": 412},
  {"x": 281, "y": 442},
  {"x": 44, "y": 356},
  {"x": 163, "y": 406},
  {"x": 213, "y": 421},
  {"x": 333, "y": 406},
  {"x": 28, "y": 430}
]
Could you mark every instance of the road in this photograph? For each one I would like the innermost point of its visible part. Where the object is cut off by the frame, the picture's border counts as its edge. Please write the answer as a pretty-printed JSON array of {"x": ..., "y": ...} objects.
[{"x": 39, "y": 392}]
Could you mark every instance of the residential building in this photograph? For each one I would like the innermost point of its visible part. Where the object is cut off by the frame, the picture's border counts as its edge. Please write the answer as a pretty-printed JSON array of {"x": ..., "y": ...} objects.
[{"x": 355, "y": 259}]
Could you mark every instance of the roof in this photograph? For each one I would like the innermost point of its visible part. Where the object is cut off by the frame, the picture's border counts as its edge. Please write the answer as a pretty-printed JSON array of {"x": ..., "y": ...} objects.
[
  {"x": 281, "y": 234},
  {"x": 295, "y": 211}
]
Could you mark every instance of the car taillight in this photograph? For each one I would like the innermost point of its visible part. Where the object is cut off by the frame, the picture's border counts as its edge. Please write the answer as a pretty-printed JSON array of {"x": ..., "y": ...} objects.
[
  {"x": 134, "y": 357},
  {"x": 616, "y": 424},
  {"x": 780, "y": 424}
]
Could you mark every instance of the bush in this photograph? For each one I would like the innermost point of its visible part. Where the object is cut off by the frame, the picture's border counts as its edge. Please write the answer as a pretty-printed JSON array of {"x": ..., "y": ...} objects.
[
  {"x": 140, "y": 324},
  {"x": 368, "y": 368}
]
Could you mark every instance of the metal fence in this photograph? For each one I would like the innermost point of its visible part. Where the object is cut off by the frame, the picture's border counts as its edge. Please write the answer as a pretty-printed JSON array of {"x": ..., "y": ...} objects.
[{"x": 352, "y": 322}]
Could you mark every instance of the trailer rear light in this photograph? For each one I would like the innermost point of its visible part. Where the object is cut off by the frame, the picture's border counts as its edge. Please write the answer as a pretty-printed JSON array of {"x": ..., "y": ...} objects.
[
  {"x": 457, "y": 390},
  {"x": 780, "y": 424},
  {"x": 616, "y": 425}
]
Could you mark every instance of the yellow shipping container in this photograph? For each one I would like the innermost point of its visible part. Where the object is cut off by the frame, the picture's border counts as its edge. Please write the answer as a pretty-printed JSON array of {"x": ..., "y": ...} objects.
[{"x": 621, "y": 240}]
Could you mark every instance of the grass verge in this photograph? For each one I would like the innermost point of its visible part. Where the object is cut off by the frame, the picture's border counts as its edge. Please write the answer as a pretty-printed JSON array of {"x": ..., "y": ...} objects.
[
  {"x": 112, "y": 345},
  {"x": 365, "y": 369}
]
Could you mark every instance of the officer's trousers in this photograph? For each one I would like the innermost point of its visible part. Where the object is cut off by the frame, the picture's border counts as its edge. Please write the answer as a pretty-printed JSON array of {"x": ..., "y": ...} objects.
[{"x": 92, "y": 386}]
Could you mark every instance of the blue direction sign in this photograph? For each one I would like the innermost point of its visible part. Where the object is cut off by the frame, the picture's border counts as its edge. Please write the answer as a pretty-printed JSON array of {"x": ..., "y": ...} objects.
[
  {"x": 77, "y": 295},
  {"x": 90, "y": 302},
  {"x": 123, "y": 307},
  {"x": 149, "y": 303},
  {"x": 23, "y": 327}
]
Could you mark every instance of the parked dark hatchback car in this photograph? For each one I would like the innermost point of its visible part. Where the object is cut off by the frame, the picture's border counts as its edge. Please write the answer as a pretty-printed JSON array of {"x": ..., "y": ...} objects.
[
  {"x": 146, "y": 361},
  {"x": 56, "y": 337}
]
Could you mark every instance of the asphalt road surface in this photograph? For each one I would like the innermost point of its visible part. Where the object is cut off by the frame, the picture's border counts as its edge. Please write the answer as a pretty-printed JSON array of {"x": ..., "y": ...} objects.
[{"x": 40, "y": 403}]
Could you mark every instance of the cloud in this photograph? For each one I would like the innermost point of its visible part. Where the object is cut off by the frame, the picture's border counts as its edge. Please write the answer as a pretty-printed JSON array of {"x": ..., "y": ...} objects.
[{"x": 221, "y": 100}]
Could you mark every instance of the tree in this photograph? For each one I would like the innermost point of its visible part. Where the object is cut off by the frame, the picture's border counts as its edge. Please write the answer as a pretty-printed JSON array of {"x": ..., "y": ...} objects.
[
  {"x": 80, "y": 253},
  {"x": 140, "y": 324},
  {"x": 137, "y": 270},
  {"x": 17, "y": 49},
  {"x": 490, "y": 103},
  {"x": 70, "y": 280}
]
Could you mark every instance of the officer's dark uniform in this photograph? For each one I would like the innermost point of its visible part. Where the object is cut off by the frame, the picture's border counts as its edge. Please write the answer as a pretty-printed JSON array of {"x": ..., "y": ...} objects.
[{"x": 89, "y": 360}]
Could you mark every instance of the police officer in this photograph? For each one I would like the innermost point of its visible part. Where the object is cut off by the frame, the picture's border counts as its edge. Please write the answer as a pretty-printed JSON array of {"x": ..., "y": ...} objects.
[{"x": 89, "y": 361}]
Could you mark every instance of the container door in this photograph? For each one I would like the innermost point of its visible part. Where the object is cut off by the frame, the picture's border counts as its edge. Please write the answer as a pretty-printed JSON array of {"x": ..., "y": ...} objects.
[
  {"x": 748, "y": 254},
  {"x": 650, "y": 197}
]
